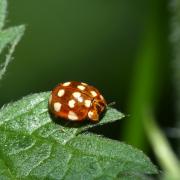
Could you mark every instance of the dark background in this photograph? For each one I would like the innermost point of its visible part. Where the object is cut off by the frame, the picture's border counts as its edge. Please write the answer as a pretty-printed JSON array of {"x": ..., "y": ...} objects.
[{"x": 119, "y": 46}]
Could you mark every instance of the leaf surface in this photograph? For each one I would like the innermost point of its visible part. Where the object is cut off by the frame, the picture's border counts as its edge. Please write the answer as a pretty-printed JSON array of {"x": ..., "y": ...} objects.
[{"x": 34, "y": 145}]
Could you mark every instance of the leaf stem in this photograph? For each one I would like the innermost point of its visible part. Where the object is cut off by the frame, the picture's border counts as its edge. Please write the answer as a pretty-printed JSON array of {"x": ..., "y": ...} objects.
[{"x": 162, "y": 149}]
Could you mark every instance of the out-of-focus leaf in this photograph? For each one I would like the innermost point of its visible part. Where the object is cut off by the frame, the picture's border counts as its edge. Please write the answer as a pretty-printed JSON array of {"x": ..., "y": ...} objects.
[
  {"x": 3, "y": 8},
  {"x": 10, "y": 37}
]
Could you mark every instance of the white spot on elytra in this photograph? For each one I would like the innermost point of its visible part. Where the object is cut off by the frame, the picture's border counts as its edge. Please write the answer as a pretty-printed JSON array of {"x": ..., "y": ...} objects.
[
  {"x": 57, "y": 106},
  {"x": 77, "y": 95},
  {"x": 94, "y": 94},
  {"x": 72, "y": 115},
  {"x": 50, "y": 99},
  {"x": 81, "y": 87},
  {"x": 71, "y": 103},
  {"x": 90, "y": 114},
  {"x": 61, "y": 92},
  {"x": 66, "y": 83},
  {"x": 101, "y": 97},
  {"x": 80, "y": 99},
  {"x": 84, "y": 84},
  {"x": 87, "y": 103}
]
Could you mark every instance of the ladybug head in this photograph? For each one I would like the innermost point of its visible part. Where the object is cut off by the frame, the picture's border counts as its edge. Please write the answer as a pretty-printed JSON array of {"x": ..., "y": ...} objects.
[{"x": 97, "y": 108}]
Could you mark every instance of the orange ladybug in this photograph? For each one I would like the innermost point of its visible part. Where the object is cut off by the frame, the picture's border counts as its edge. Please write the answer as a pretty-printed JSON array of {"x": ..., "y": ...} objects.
[{"x": 76, "y": 101}]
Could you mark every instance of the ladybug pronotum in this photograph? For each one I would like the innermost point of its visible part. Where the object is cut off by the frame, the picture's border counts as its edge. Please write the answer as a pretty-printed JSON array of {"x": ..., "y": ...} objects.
[{"x": 76, "y": 101}]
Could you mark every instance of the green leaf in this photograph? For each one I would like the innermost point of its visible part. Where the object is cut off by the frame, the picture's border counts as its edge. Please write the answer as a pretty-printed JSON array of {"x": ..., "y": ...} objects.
[
  {"x": 3, "y": 7},
  {"x": 10, "y": 37},
  {"x": 34, "y": 145}
]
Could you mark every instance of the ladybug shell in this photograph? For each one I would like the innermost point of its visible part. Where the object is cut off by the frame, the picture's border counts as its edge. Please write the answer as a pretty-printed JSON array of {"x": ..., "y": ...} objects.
[{"x": 76, "y": 101}]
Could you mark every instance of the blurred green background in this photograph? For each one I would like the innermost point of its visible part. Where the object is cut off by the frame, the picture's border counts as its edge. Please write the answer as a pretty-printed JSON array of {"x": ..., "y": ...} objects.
[{"x": 119, "y": 46}]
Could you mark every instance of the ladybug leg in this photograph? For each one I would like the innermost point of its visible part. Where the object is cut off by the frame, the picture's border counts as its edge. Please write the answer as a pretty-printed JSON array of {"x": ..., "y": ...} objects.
[
  {"x": 63, "y": 129},
  {"x": 67, "y": 124},
  {"x": 96, "y": 110}
]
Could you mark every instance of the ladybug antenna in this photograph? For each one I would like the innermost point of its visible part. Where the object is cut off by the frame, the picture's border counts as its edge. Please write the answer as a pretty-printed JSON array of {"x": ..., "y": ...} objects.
[
  {"x": 127, "y": 115},
  {"x": 111, "y": 104}
]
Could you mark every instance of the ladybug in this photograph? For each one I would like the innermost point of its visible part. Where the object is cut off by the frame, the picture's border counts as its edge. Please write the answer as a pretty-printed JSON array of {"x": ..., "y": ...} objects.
[{"x": 76, "y": 101}]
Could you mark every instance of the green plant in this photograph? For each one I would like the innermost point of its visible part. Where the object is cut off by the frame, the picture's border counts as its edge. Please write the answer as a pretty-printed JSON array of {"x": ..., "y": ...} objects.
[
  {"x": 34, "y": 146},
  {"x": 145, "y": 89},
  {"x": 175, "y": 37},
  {"x": 10, "y": 36}
]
